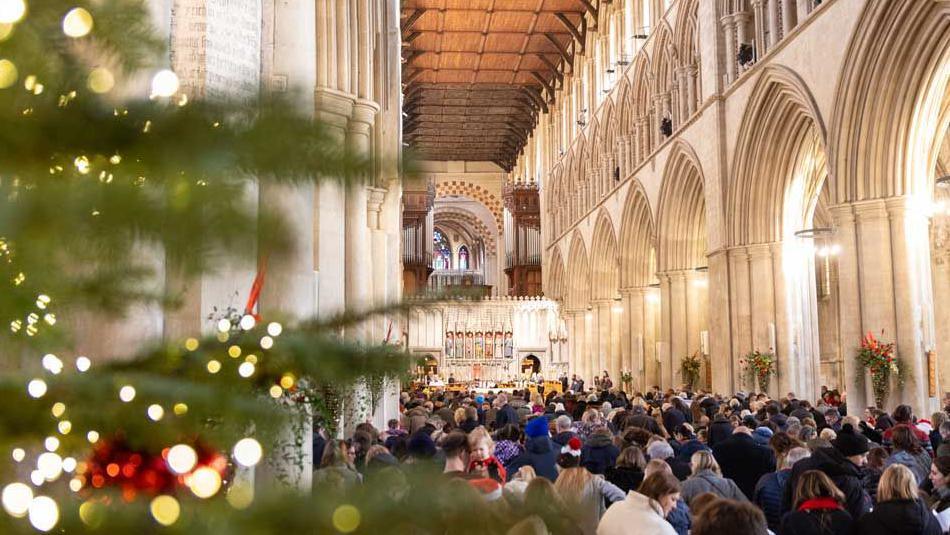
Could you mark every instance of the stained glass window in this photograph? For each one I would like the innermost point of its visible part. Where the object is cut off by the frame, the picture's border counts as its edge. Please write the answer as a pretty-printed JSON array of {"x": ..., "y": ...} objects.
[
  {"x": 463, "y": 257},
  {"x": 442, "y": 252}
]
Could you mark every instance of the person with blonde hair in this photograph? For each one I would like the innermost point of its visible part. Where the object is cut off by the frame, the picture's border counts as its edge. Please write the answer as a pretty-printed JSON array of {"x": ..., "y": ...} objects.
[
  {"x": 336, "y": 467},
  {"x": 645, "y": 509},
  {"x": 899, "y": 511},
  {"x": 584, "y": 493},
  {"x": 482, "y": 461},
  {"x": 818, "y": 508},
  {"x": 707, "y": 477}
]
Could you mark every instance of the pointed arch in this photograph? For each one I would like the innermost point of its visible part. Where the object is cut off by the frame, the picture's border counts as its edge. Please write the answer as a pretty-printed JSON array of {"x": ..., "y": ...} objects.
[
  {"x": 556, "y": 279},
  {"x": 663, "y": 55},
  {"x": 779, "y": 162},
  {"x": 681, "y": 216},
  {"x": 605, "y": 263},
  {"x": 637, "y": 240},
  {"x": 578, "y": 274},
  {"x": 891, "y": 104}
]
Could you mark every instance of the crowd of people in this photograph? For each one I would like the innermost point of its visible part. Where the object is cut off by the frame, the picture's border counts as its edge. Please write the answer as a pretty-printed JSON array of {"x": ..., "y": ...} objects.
[{"x": 667, "y": 462}]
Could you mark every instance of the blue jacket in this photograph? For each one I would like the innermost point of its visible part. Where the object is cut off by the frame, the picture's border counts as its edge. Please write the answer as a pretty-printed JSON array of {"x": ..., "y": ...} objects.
[
  {"x": 540, "y": 454},
  {"x": 768, "y": 496},
  {"x": 679, "y": 518}
]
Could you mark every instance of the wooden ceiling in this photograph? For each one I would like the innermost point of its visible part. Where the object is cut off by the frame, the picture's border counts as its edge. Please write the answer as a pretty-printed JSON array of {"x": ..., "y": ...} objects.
[{"x": 476, "y": 73}]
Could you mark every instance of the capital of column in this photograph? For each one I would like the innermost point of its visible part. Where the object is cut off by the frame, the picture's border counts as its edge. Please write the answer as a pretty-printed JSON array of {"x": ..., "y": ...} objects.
[
  {"x": 741, "y": 16},
  {"x": 333, "y": 107},
  {"x": 869, "y": 210},
  {"x": 634, "y": 291},
  {"x": 375, "y": 198},
  {"x": 759, "y": 250},
  {"x": 842, "y": 214}
]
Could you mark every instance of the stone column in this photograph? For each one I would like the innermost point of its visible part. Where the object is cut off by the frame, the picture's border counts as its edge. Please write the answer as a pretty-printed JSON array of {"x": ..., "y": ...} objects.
[
  {"x": 724, "y": 371},
  {"x": 913, "y": 303},
  {"x": 804, "y": 8},
  {"x": 774, "y": 35},
  {"x": 940, "y": 242},
  {"x": 741, "y": 309},
  {"x": 788, "y": 17},
  {"x": 668, "y": 329},
  {"x": 604, "y": 321},
  {"x": 692, "y": 77},
  {"x": 728, "y": 30},
  {"x": 849, "y": 288}
]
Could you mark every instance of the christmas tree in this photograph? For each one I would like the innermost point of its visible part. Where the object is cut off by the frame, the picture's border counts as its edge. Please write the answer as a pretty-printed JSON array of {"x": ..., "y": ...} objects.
[{"x": 95, "y": 168}]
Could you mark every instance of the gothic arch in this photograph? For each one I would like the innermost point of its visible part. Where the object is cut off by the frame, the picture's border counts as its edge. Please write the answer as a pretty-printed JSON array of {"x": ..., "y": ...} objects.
[
  {"x": 605, "y": 264},
  {"x": 578, "y": 274},
  {"x": 779, "y": 162},
  {"x": 891, "y": 104},
  {"x": 637, "y": 240},
  {"x": 681, "y": 216},
  {"x": 556, "y": 283}
]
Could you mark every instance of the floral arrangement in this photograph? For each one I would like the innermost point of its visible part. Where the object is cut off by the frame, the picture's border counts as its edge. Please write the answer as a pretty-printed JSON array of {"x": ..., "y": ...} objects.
[
  {"x": 690, "y": 367},
  {"x": 759, "y": 366},
  {"x": 880, "y": 361}
]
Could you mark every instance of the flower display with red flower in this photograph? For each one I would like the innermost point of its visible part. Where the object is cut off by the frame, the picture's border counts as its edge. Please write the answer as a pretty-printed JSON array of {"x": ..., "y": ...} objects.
[
  {"x": 880, "y": 361},
  {"x": 759, "y": 366}
]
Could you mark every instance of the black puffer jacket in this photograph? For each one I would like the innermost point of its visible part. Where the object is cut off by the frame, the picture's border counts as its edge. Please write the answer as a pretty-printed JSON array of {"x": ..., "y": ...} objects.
[
  {"x": 627, "y": 478},
  {"x": 599, "y": 453},
  {"x": 899, "y": 517},
  {"x": 845, "y": 475}
]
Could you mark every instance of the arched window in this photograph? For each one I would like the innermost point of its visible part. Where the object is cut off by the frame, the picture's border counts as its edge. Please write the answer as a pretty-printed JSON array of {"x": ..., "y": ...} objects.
[
  {"x": 442, "y": 252},
  {"x": 463, "y": 257}
]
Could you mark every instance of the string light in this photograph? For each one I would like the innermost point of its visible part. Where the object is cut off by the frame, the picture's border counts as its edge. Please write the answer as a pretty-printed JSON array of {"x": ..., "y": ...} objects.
[
  {"x": 224, "y": 325},
  {"x": 180, "y": 409},
  {"x": 77, "y": 23},
  {"x": 165, "y": 509},
  {"x": 64, "y": 427},
  {"x": 346, "y": 518},
  {"x": 12, "y": 10},
  {"x": 276, "y": 391},
  {"x": 248, "y": 322},
  {"x": 50, "y": 465},
  {"x": 36, "y": 388},
  {"x": 191, "y": 344},
  {"x": 83, "y": 364},
  {"x": 248, "y": 452},
  {"x": 92, "y": 513},
  {"x": 19, "y": 454},
  {"x": 164, "y": 83},
  {"x": 205, "y": 482},
  {"x": 213, "y": 366},
  {"x": 100, "y": 80},
  {"x": 274, "y": 328},
  {"x": 8, "y": 74},
  {"x": 234, "y": 352},
  {"x": 92, "y": 437},
  {"x": 267, "y": 342},
  {"x": 44, "y": 513},
  {"x": 155, "y": 412},
  {"x": 181, "y": 458},
  {"x": 16, "y": 499},
  {"x": 69, "y": 464},
  {"x": 246, "y": 369},
  {"x": 127, "y": 393},
  {"x": 58, "y": 409},
  {"x": 51, "y": 443},
  {"x": 52, "y": 364}
]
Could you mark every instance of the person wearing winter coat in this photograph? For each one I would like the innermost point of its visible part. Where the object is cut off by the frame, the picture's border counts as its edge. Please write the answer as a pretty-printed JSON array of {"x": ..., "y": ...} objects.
[
  {"x": 771, "y": 487},
  {"x": 672, "y": 417},
  {"x": 599, "y": 451},
  {"x": 940, "y": 496},
  {"x": 645, "y": 510},
  {"x": 584, "y": 495},
  {"x": 742, "y": 460},
  {"x": 539, "y": 452},
  {"x": 719, "y": 430},
  {"x": 627, "y": 474},
  {"x": 842, "y": 463},
  {"x": 661, "y": 450},
  {"x": 898, "y": 510},
  {"x": 818, "y": 508},
  {"x": 563, "y": 426},
  {"x": 908, "y": 452},
  {"x": 707, "y": 477},
  {"x": 506, "y": 412}
]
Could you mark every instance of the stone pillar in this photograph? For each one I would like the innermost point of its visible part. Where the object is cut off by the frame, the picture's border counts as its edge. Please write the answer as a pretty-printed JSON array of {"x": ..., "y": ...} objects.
[
  {"x": 741, "y": 308},
  {"x": 788, "y": 17},
  {"x": 728, "y": 30},
  {"x": 668, "y": 329},
  {"x": 913, "y": 303},
  {"x": 603, "y": 315},
  {"x": 774, "y": 36},
  {"x": 724, "y": 371},
  {"x": 804, "y": 8},
  {"x": 692, "y": 78},
  {"x": 940, "y": 242},
  {"x": 590, "y": 346},
  {"x": 849, "y": 288}
]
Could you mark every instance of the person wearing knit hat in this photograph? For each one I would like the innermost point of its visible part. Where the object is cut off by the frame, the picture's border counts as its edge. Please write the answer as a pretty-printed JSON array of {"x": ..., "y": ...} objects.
[
  {"x": 842, "y": 463},
  {"x": 762, "y": 435},
  {"x": 540, "y": 452},
  {"x": 851, "y": 444},
  {"x": 421, "y": 446}
]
